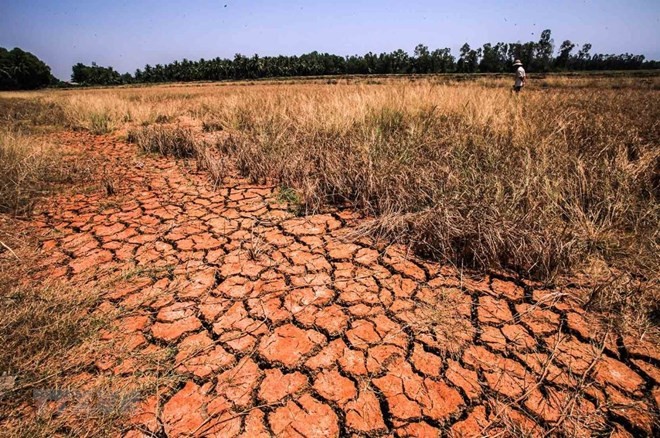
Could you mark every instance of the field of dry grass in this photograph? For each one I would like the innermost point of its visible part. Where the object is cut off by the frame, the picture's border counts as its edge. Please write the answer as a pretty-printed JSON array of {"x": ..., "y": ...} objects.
[
  {"x": 559, "y": 184},
  {"x": 562, "y": 179}
]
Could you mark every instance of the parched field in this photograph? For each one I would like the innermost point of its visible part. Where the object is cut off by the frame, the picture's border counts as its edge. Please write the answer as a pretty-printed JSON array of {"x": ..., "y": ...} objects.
[{"x": 361, "y": 257}]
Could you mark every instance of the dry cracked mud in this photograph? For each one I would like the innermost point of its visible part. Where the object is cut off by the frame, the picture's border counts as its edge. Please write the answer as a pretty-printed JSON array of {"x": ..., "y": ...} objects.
[{"x": 278, "y": 325}]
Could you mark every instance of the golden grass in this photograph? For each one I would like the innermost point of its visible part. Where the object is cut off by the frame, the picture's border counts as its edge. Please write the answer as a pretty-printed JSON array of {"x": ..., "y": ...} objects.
[
  {"x": 28, "y": 166},
  {"x": 560, "y": 179},
  {"x": 29, "y": 113},
  {"x": 177, "y": 142},
  {"x": 478, "y": 176}
]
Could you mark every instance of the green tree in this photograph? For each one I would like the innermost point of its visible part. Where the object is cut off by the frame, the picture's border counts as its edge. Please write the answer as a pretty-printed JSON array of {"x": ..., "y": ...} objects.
[
  {"x": 537, "y": 56},
  {"x": 544, "y": 51},
  {"x": 20, "y": 70},
  {"x": 400, "y": 62},
  {"x": 583, "y": 56},
  {"x": 442, "y": 60},
  {"x": 95, "y": 75},
  {"x": 564, "y": 55},
  {"x": 423, "y": 62},
  {"x": 492, "y": 59},
  {"x": 469, "y": 60}
]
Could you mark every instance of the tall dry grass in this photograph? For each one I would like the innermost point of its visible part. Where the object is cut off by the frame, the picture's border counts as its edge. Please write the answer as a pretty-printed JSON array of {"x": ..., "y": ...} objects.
[
  {"x": 104, "y": 111},
  {"x": 29, "y": 113},
  {"x": 177, "y": 142},
  {"x": 28, "y": 168},
  {"x": 552, "y": 182},
  {"x": 560, "y": 179},
  {"x": 538, "y": 183}
]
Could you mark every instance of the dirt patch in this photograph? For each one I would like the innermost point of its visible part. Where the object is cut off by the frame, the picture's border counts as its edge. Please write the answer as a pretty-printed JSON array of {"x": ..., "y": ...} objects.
[{"x": 246, "y": 320}]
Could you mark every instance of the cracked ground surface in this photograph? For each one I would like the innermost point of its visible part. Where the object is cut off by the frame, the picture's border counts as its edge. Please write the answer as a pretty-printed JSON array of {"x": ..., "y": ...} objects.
[{"x": 288, "y": 326}]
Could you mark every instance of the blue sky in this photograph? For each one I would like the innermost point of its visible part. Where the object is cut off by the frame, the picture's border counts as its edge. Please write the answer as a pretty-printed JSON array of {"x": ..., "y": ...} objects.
[{"x": 129, "y": 34}]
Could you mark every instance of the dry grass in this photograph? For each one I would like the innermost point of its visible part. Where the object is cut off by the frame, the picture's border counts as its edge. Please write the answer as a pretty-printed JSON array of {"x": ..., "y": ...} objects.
[
  {"x": 551, "y": 182},
  {"x": 631, "y": 304},
  {"x": 211, "y": 126},
  {"x": 561, "y": 179},
  {"x": 50, "y": 332},
  {"x": 28, "y": 167},
  {"x": 42, "y": 328},
  {"x": 177, "y": 142},
  {"x": 477, "y": 176},
  {"x": 210, "y": 160},
  {"x": 180, "y": 142},
  {"x": 30, "y": 115},
  {"x": 44, "y": 325}
]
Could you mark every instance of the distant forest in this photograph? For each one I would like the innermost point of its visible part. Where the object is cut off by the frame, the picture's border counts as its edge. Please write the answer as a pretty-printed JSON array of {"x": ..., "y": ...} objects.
[{"x": 536, "y": 56}]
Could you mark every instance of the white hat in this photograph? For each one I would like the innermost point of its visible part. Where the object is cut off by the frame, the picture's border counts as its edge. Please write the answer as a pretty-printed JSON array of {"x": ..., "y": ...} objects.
[{"x": 517, "y": 63}]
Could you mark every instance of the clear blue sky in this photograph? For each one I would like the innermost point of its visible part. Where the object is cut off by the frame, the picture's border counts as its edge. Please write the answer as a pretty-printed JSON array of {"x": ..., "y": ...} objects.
[{"x": 129, "y": 34}]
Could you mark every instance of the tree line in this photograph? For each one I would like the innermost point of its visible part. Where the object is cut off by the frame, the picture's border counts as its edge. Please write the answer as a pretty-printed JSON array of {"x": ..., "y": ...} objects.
[
  {"x": 537, "y": 56},
  {"x": 22, "y": 70},
  {"x": 97, "y": 75}
]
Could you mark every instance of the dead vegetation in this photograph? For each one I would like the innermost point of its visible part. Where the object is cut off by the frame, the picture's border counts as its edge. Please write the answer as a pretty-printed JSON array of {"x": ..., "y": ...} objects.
[
  {"x": 52, "y": 335},
  {"x": 554, "y": 182},
  {"x": 28, "y": 167},
  {"x": 561, "y": 180},
  {"x": 176, "y": 142},
  {"x": 30, "y": 114},
  {"x": 43, "y": 325},
  {"x": 48, "y": 328},
  {"x": 180, "y": 142},
  {"x": 543, "y": 185}
]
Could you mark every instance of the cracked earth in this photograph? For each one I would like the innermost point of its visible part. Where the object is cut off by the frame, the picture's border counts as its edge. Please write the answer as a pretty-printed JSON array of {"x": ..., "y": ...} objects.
[{"x": 278, "y": 325}]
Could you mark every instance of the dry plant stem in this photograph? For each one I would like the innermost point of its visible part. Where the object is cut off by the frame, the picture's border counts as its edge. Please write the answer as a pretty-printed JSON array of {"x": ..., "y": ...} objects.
[{"x": 10, "y": 250}]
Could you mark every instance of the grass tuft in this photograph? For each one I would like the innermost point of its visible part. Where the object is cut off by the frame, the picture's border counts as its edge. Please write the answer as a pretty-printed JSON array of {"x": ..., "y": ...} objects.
[
  {"x": 31, "y": 114},
  {"x": 100, "y": 124},
  {"x": 212, "y": 126},
  {"x": 28, "y": 167},
  {"x": 177, "y": 142}
]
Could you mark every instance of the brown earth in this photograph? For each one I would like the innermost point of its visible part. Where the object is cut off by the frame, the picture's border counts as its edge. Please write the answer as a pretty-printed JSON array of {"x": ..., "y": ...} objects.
[{"x": 288, "y": 326}]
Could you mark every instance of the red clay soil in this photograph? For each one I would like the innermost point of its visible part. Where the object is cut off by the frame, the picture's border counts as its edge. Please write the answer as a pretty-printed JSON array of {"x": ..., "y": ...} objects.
[{"x": 282, "y": 325}]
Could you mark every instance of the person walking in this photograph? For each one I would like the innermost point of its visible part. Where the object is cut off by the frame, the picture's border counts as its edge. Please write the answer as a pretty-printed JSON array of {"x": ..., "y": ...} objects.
[{"x": 520, "y": 76}]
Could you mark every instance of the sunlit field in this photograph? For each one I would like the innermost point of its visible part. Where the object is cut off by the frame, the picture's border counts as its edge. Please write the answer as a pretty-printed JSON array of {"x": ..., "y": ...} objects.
[
  {"x": 555, "y": 187},
  {"x": 560, "y": 179}
]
